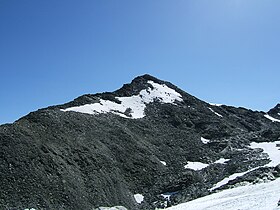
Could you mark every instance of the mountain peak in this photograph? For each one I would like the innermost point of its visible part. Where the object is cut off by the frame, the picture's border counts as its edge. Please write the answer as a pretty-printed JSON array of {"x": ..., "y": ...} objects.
[
  {"x": 137, "y": 84},
  {"x": 131, "y": 100},
  {"x": 146, "y": 77},
  {"x": 183, "y": 149},
  {"x": 275, "y": 112}
]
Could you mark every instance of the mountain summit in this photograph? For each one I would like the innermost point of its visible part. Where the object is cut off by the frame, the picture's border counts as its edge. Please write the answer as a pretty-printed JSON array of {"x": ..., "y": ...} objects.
[
  {"x": 147, "y": 145},
  {"x": 131, "y": 100}
]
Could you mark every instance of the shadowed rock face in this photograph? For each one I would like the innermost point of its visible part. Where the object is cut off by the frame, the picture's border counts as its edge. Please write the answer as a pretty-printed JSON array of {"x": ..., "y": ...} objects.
[
  {"x": 53, "y": 159},
  {"x": 275, "y": 112}
]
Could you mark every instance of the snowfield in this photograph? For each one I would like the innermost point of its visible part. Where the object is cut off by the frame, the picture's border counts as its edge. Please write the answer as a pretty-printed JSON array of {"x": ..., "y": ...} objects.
[
  {"x": 251, "y": 197},
  {"x": 229, "y": 178},
  {"x": 134, "y": 105},
  {"x": 268, "y": 147},
  {"x": 271, "y": 149}
]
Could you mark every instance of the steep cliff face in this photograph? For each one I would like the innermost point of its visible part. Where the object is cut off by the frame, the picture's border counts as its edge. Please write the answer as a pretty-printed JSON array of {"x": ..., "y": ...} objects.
[{"x": 146, "y": 145}]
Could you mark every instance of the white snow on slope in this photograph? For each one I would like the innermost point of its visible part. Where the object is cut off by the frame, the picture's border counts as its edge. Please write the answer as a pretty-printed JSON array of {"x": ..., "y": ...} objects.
[
  {"x": 139, "y": 198},
  {"x": 198, "y": 165},
  {"x": 167, "y": 195},
  {"x": 213, "y": 104},
  {"x": 215, "y": 112},
  {"x": 136, "y": 103},
  {"x": 271, "y": 149},
  {"x": 112, "y": 208},
  {"x": 222, "y": 161},
  {"x": 268, "y": 147},
  {"x": 204, "y": 140},
  {"x": 229, "y": 178},
  {"x": 195, "y": 165},
  {"x": 272, "y": 118},
  {"x": 163, "y": 162},
  {"x": 250, "y": 197}
]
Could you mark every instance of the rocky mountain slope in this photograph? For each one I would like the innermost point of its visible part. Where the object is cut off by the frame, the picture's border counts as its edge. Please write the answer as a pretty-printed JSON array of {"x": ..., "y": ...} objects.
[{"x": 147, "y": 145}]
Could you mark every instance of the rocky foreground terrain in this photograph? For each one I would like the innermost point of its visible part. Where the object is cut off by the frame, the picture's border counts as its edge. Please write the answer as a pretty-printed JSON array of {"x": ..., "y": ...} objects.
[{"x": 147, "y": 145}]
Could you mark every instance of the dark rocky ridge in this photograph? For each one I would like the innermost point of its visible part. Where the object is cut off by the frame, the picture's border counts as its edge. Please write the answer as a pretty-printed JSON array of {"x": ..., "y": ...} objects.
[
  {"x": 51, "y": 159},
  {"x": 275, "y": 112}
]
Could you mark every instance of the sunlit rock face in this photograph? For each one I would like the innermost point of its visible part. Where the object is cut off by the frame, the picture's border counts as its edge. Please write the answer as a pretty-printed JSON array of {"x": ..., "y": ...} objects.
[{"x": 147, "y": 145}]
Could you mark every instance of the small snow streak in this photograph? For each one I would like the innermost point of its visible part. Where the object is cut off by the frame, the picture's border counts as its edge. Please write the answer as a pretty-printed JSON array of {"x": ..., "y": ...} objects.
[
  {"x": 271, "y": 118},
  {"x": 167, "y": 195},
  {"x": 213, "y": 104},
  {"x": 222, "y": 161},
  {"x": 204, "y": 141},
  {"x": 111, "y": 208},
  {"x": 215, "y": 112},
  {"x": 163, "y": 162}
]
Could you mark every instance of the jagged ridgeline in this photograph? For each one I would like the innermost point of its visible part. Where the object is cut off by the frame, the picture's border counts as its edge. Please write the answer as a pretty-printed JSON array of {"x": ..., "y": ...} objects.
[{"x": 147, "y": 145}]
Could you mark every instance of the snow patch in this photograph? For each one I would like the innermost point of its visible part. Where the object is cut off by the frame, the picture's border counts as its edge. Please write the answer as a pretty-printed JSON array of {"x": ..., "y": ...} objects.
[
  {"x": 249, "y": 197},
  {"x": 133, "y": 106},
  {"x": 204, "y": 141},
  {"x": 229, "y": 178},
  {"x": 111, "y": 208},
  {"x": 139, "y": 198},
  {"x": 271, "y": 149},
  {"x": 168, "y": 194},
  {"x": 215, "y": 112},
  {"x": 195, "y": 165},
  {"x": 268, "y": 147},
  {"x": 271, "y": 118},
  {"x": 222, "y": 161},
  {"x": 163, "y": 162},
  {"x": 213, "y": 104}
]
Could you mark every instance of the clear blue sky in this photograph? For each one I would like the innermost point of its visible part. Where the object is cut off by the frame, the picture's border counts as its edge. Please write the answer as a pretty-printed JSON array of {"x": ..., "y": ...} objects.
[{"x": 223, "y": 51}]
